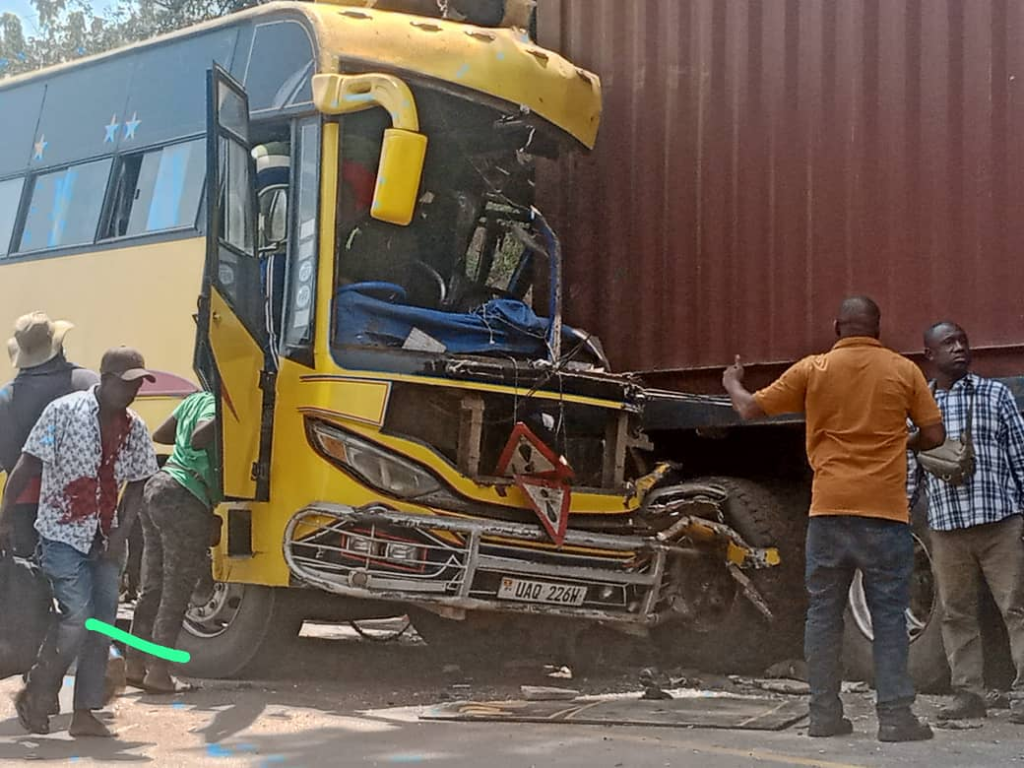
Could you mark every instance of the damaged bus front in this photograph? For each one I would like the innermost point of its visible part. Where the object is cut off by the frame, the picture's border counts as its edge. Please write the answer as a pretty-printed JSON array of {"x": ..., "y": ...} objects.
[{"x": 409, "y": 424}]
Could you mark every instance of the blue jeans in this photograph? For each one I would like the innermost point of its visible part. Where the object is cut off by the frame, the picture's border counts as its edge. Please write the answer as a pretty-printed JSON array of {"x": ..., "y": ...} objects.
[
  {"x": 883, "y": 551},
  {"x": 84, "y": 586}
]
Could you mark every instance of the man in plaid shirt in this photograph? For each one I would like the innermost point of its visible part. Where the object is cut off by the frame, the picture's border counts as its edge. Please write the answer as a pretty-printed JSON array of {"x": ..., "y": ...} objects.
[{"x": 977, "y": 526}]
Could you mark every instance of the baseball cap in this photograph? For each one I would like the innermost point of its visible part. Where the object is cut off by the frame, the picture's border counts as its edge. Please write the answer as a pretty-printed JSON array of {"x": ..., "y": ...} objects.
[
  {"x": 125, "y": 363},
  {"x": 37, "y": 339}
]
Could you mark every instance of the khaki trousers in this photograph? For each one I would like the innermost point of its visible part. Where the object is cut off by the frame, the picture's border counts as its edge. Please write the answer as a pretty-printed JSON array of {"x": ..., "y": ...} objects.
[{"x": 995, "y": 553}]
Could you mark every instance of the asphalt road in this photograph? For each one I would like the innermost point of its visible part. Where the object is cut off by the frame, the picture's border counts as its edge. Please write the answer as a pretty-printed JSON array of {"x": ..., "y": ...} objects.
[{"x": 339, "y": 702}]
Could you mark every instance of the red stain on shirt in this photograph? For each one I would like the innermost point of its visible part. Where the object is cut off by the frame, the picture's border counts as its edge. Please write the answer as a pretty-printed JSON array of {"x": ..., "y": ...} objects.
[{"x": 88, "y": 496}]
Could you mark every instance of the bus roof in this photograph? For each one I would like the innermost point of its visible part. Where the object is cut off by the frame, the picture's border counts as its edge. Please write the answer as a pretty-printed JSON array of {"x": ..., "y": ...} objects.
[{"x": 501, "y": 63}]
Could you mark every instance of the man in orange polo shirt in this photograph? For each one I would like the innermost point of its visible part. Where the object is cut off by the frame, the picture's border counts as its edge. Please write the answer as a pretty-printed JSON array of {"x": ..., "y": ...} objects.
[{"x": 856, "y": 399}]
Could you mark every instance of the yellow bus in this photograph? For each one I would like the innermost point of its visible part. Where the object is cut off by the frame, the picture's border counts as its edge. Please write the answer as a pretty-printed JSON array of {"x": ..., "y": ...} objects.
[{"x": 323, "y": 212}]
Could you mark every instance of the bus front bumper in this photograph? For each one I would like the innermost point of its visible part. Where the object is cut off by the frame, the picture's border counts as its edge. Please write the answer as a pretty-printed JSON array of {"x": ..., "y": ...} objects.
[{"x": 453, "y": 565}]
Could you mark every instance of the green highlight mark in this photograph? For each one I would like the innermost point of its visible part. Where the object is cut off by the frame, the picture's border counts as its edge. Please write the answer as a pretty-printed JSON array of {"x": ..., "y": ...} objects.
[{"x": 160, "y": 651}]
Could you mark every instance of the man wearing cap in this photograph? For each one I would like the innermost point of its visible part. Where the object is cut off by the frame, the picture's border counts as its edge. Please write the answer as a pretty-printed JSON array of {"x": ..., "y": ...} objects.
[
  {"x": 44, "y": 374},
  {"x": 85, "y": 447}
]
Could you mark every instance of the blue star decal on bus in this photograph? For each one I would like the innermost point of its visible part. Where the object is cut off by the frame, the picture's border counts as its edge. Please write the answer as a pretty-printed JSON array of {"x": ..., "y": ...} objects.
[
  {"x": 40, "y": 147},
  {"x": 131, "y": 126},
  {"x": 111, "y": 130}
]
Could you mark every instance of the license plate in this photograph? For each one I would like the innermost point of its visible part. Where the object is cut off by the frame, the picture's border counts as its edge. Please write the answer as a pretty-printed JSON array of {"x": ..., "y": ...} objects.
[{"x": 541, "y": 592}]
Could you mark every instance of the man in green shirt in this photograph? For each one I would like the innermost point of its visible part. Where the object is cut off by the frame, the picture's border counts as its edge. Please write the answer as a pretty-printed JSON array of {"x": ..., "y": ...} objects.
[{"x": 176, "y": 523}]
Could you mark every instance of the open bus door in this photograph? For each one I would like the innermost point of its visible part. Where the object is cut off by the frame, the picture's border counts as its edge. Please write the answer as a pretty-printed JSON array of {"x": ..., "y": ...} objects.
[{"x": 233, "y": 355}]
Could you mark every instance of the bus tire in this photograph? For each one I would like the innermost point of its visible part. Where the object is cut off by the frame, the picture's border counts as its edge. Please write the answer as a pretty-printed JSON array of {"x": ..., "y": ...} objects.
[
  {"x": 742, "y": 640},
  {"x": 255, "y": 624},
  {"x": 927, "y": 661}
]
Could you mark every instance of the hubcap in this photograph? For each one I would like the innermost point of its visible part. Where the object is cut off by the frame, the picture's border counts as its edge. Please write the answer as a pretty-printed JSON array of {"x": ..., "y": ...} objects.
[
  {"x": 922, "y": 597},
  {"x": 214, "y": 605}
]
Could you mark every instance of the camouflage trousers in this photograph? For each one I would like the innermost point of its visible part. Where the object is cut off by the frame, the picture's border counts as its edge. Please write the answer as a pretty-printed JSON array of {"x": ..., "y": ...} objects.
[{"x": 176, "y": 529}]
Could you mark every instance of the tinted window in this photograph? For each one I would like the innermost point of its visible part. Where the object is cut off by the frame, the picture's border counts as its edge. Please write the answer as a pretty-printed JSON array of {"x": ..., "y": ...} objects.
[
  {"x": 237, "y": 207},
  {"x": 168, "y": 91},
  {"x": 158, "y": 190},
  {"x": 280, "y": 66},
  {"x": 65, "y": 206},
  {"x": 10, "y": 196},
  {"x": 20, "y": 115},
  {"x": 83, "y": 114}
]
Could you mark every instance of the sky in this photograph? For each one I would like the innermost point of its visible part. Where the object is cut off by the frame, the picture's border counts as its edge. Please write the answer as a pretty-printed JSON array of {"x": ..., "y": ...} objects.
[
  {"x": 27, "y": 12},
  {"x": 24, "y": 9}
]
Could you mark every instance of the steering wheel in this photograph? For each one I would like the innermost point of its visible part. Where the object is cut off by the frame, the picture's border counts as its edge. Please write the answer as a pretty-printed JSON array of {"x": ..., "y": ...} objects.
[{"x": 436, "y": 279}]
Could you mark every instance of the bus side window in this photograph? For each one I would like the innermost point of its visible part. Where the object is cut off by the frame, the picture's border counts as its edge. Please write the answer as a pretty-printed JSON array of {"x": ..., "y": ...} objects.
[
  {"x": 156, "y": 190},
  {"x": 65, "y": 207},
  {"x": 10, "y": 196}
]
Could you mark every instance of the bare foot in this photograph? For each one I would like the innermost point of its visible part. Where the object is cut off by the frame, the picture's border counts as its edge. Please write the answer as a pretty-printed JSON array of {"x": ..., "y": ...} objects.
[{"x": 85, "y": 724}]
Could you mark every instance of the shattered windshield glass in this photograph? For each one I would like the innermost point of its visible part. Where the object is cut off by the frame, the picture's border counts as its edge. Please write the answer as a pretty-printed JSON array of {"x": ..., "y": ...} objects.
[{"x": 468, "y": 275}]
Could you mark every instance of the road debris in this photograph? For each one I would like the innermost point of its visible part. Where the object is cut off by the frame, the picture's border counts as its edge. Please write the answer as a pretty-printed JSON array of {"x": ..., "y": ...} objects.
[
  {"x": 651, "y": 681},
  {"x": 547, "y": 693},
  {"x": 791, "y": 669},
  {"x": 997, "y": 700}
]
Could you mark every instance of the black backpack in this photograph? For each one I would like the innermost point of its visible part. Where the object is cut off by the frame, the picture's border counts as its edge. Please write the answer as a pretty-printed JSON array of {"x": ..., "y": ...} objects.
[{"x": 26, "y": 612}]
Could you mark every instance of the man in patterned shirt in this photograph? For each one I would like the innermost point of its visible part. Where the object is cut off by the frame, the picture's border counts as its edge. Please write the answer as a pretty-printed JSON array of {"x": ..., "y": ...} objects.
[
  {"x": 976, "y": 526},
  {"x": 85, "y": 447}
]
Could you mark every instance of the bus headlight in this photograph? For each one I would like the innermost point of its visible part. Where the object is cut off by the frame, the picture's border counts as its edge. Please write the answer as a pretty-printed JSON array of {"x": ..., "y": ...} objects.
[{"x": 380, "y": 469}]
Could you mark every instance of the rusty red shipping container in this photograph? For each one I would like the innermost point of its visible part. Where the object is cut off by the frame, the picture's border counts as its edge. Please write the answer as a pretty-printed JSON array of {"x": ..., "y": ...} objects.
[{"x": 760, "y": 159}]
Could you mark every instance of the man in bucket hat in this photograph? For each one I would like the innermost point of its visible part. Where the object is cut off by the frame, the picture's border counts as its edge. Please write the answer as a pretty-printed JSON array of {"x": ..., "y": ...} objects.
[
  {"x": 85, "y": 447},
  {"x": 37, "y": 350}
]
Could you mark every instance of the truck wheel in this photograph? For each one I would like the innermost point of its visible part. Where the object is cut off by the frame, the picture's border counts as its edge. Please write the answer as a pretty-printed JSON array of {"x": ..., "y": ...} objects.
[
  {"x": 231, "y": 629},
  {"x": 927, "y": 662},
  {"x": 740, "y": 639}
]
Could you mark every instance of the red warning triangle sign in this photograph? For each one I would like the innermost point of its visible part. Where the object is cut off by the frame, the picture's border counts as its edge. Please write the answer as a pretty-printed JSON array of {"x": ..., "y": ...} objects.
[
  {"x": 527, "y": 454},
  {"x": 550, "y": 499}
]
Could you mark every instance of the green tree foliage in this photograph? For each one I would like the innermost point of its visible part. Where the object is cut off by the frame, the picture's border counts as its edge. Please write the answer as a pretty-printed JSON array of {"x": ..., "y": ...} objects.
[{"x": 71, "y": 29}]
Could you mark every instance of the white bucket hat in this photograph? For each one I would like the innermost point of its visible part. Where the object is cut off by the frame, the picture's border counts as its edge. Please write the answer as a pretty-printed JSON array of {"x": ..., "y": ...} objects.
[{"x": 37, "y": 339}]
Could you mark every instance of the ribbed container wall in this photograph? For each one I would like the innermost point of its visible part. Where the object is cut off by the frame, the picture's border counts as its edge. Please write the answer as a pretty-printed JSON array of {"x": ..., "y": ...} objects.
[{"x": 760, "y": 159}]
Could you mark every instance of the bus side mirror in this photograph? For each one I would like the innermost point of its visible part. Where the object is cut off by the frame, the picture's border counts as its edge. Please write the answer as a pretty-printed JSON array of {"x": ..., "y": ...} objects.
[
  {"x": 404, "y": 148},
  {"x": 398, "y": 176}
]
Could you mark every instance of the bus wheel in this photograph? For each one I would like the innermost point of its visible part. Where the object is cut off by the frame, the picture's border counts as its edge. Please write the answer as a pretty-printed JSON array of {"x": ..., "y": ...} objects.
[
  {"x": 927, "y": 662},
  {"x": 232, "y": 629},
  {"x": 735, "y": 637}
]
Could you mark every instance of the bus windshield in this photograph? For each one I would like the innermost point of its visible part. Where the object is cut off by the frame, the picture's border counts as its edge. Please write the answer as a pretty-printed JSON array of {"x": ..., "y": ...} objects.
[{"x": 467, "y": 275}]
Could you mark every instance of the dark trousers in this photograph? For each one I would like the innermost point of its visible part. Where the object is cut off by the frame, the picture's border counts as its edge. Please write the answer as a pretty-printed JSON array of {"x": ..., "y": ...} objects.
[
  {"x": 883, "y": 551},
  {"x": 962, "y": 558},
  {"x": 176, "y": 530}
]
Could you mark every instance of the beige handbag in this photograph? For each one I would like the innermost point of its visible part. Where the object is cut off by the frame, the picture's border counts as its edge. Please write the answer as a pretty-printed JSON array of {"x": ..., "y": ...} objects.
[{"x": 953, "y": 461}]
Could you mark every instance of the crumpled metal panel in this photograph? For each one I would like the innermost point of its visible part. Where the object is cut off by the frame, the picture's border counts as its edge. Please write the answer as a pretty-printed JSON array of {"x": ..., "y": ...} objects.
[{"x": 757, "y": 161}]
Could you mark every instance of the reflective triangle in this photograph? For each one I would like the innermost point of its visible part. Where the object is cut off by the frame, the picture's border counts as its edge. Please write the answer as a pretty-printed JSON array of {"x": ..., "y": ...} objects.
[
  {"x": 527, "y": 454},
  {"x": 550, "y": 499}
]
